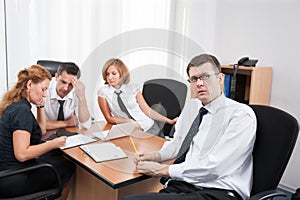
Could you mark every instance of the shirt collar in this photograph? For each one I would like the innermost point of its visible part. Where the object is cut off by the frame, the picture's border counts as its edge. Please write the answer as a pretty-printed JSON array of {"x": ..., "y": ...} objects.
[
  {"x": 123, "y": 88},
  {"x": 217, "y": 103},
  {"x": 26, "y": 102}
]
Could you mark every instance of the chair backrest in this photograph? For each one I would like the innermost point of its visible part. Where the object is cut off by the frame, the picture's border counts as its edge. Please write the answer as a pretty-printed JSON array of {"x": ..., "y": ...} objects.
[
  {"x": 50, "y": 65},
  {"x": 276, "y": 135},
  {"x": 169, "y": 94}
]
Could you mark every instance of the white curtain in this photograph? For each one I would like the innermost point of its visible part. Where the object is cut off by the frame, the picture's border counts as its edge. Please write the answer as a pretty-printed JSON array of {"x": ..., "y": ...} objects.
[
  {"x": 3, "y": 77},
  {"x": 153, "y": 37}
]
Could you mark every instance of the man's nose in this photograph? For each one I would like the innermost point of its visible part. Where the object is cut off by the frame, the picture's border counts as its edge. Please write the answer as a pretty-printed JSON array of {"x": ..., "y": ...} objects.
[
  {"x": 200, "y": 82},
  {"x": 66, "y": 86}
]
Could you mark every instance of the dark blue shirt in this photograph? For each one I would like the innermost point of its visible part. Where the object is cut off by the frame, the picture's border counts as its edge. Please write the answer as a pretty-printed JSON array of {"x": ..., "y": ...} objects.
[{"x": 17, "y": 116}]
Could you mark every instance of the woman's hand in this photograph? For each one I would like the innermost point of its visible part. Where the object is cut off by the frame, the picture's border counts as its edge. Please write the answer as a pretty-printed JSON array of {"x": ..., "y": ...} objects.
[
  {"x": 172, "y": 121},
  {"x": 41, "y": 103},
  {"x": 60, "y": 141},
  {"x": 137, "y": 125}
]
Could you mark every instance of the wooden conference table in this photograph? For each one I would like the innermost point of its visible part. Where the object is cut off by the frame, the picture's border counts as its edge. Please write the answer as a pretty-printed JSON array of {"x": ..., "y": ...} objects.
[{"x": 112, "y": 179}]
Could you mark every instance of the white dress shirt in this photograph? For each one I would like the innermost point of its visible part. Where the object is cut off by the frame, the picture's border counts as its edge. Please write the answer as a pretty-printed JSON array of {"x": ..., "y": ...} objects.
[
  {"x": 128, "y": 96},
  {"x": 220, "y": 155},
  {"x": 70, "y": 105}
]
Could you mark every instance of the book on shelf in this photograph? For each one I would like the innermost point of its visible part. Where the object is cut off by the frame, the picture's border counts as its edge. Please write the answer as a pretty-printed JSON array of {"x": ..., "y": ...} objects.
[
  {"x": 235, "y": 87},
  {"x": 240, "y": 94},
  {"x": 227, "y": 85},
  {"x": 232, "y": 92}
]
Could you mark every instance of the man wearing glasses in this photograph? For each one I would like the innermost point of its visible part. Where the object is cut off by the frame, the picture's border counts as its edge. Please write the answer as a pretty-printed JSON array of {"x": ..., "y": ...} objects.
[{"x": 212, "y": 144}]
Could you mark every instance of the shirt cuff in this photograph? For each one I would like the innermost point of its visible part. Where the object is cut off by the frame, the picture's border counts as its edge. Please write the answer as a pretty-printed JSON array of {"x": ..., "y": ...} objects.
[{"x": 175, "y": 171}]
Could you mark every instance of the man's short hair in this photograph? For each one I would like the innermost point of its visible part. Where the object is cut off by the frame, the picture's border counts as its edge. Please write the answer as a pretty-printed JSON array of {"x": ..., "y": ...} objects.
[
  {"x": 70, "y": 68},
  {"x": 204, "y": 58}
]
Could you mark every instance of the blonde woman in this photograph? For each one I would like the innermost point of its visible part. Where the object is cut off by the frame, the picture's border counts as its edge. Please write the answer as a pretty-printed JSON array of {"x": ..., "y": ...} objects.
[{"x": 116, "y": 76}]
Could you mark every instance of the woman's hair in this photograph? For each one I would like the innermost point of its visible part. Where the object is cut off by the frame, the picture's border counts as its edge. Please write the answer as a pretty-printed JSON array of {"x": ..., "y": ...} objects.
[
  {"x": 36, "y": 73},
  {"x": 121, "y": 67}
]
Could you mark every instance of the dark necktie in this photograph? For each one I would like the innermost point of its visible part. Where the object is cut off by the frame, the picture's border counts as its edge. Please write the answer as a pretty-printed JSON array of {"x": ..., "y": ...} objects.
[
  {"x": 187, "y": 141},
  {"x": 122, "y": 105},
  {"x": 189, "y": 137},
  {"x": 60, "y": 116}
]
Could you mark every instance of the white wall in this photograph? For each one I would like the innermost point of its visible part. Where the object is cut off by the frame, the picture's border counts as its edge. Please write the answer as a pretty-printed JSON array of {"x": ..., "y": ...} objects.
[
  {"x": 82, "y": 32},
  {"x": 268, "y": 30}
]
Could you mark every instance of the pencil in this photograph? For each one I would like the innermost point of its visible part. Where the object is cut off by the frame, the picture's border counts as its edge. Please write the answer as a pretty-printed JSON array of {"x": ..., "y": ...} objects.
[{"x": 134, "y": 147}]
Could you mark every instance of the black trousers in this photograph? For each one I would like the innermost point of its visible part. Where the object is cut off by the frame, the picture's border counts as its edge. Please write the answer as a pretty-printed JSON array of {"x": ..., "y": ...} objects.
[
  {"x": 40, "y": 179},
  {"x": 185, "y": 191}
]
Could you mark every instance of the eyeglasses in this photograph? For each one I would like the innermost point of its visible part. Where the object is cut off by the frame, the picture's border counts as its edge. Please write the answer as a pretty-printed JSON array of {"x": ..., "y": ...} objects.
[{"x": 203, "y": 77}]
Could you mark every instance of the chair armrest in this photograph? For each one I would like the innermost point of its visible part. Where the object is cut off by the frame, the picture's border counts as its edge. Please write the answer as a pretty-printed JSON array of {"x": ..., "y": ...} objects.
[
  {"x": 15, "y": 171},
  {"x": 270, "y": 194}
]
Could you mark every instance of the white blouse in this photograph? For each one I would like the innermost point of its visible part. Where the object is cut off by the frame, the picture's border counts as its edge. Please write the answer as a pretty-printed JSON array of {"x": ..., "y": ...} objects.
[{"x": 128, "y": 96}]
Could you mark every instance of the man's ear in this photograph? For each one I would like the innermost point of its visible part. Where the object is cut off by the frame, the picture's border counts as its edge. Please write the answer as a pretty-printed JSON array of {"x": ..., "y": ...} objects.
[{"x": 221, "y": 78}]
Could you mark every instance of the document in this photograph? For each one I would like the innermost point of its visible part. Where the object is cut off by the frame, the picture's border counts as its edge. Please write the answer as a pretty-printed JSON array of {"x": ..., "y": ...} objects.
[
  {"x": 116, "y": 131},
  {"x": 103, "y": 152},
  {"x": 76, "y": 140}
]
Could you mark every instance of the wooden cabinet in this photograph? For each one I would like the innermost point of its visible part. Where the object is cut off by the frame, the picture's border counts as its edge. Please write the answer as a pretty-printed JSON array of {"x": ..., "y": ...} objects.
[{"x": 253, "y": 83}]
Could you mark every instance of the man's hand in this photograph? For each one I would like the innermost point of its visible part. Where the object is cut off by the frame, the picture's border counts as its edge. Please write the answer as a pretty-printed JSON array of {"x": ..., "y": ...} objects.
[
  {"x": 79, "y": 88},
  {"x": 72, "y": 121},
  {"x": 152, "y": 168},
  {"x": 152, "y": 156}
]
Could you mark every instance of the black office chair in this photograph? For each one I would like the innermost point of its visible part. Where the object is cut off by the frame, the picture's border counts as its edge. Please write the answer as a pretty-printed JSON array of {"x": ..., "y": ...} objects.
[
  {"x": 50, "y": 65},
  {"x": 167, "y": 96},
  {"x": 296, "y": 195},
  {"x": 9, "y": 176},
  {"x": 276, "y": 135}
]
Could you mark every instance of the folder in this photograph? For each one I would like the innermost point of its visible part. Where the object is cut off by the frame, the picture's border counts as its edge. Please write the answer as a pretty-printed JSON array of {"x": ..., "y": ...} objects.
[
  {"x": 76, "y": 140},
  {"x": 103, "y": 152}
]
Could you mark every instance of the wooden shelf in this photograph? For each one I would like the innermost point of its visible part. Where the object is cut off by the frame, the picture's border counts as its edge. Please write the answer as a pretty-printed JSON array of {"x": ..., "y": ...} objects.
[{"x": 257, "y": 83}]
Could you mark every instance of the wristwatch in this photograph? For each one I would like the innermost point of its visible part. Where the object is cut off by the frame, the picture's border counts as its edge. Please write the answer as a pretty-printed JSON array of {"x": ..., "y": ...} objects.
[{"x": 40, "y": 106}]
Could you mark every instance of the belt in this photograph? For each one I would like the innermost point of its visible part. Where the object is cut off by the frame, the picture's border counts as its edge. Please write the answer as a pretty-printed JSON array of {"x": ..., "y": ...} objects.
[{"x": 231, "y": 193}]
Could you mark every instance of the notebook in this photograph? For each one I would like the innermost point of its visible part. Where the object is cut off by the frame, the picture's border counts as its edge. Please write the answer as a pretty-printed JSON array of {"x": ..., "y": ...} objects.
[
  {"x": 50, "y": 135},
  {"x": 76, "y": 140},
  {"x": 116, "y": 131},
  {"x": 103, "y": 152}
]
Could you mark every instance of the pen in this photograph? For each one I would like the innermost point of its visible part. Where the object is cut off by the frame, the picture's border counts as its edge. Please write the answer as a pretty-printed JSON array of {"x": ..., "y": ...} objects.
[{"x": 134, "y": 147}]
